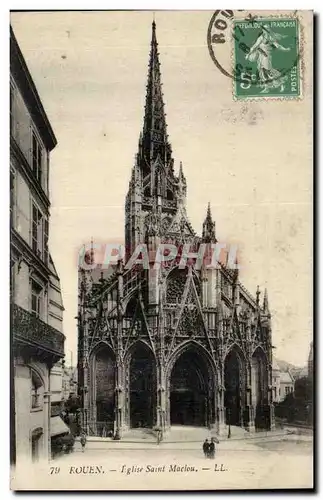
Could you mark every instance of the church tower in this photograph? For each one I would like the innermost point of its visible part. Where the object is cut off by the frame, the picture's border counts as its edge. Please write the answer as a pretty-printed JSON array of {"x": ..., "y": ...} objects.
[
  {"x": 175, "y": 344},
  {"x": 154, "y": 187}
]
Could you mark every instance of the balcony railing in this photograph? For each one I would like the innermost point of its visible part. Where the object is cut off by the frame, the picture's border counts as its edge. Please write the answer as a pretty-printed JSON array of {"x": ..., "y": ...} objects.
[{"x": 32, "y": 330}]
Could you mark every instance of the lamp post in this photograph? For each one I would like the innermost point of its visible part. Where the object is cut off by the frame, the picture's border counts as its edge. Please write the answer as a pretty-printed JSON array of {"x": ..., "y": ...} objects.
[
  {"x": 229, "y": 419},
  {"x": 117, "y": 435}
]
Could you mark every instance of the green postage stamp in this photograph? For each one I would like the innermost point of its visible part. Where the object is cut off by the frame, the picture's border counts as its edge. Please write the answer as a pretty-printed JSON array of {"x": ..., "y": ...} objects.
[{"x": 266, "y": 58}]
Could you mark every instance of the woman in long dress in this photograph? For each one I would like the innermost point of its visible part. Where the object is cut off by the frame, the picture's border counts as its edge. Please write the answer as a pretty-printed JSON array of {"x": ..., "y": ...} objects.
[{"x": 261, "y": 53}]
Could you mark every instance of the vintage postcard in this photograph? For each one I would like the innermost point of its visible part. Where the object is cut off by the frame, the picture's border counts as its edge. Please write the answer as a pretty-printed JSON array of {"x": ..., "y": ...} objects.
[{"x": 161, "y": 250}]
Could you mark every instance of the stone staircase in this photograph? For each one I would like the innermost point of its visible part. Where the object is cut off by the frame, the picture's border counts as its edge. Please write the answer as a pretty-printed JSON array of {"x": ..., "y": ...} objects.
[
  {"x": 139, "y": 435},
  {"x": 178, "y": 434},
  {"x": 185, "y": 437}
]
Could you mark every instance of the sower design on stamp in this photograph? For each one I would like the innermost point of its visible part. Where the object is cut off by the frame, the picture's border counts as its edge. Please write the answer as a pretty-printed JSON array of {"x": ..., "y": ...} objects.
[{"x": 266, "y": 58}]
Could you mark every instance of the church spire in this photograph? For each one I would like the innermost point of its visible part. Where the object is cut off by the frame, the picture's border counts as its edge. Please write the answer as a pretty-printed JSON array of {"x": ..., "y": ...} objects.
[
  {"x": 208, "y": 233},
  {"x": 181, "y": 175},
  {"x": 266, "y": 304},
  {"x": 154, "y": 137},
  {"x": 181, "y": 186}
]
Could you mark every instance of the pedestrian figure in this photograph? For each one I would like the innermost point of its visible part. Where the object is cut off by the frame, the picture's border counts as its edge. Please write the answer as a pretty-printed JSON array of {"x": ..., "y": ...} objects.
[
  {"x": 206, "y": 448},
  {"x": 83, "y": 442},
  {"x": 212, "y": 447},
  {"x": 159, "y": 435}
]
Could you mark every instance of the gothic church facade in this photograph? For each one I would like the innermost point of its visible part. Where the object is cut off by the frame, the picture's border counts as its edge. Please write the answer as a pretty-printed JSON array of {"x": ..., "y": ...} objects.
[{"x": 169, "y": 346}]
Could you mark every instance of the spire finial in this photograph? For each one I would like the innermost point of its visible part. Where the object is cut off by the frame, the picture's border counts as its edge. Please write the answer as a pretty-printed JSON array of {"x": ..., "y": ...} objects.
[
  {"x": 208, "y": 212},
  {"x": 181, "y": 175},
  {"x": 153, "y": 28},
  {"x": 265, "y": 304},
  {"x": 257, "y": 295},
  {"x": 208, "y": 233},
  {"x": 92, "y": 251}
]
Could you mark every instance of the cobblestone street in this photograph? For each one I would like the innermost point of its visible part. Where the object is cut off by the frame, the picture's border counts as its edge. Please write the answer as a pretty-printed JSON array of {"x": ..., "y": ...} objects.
[{"x": 281, "y": 462}]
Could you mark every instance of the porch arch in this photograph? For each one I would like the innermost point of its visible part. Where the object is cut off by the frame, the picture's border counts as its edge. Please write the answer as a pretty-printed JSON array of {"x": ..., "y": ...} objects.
[
  {"x": 191, "y": 378},
  {"x": 259, "y": 386},
  {"x": 141, "y": 378},
  {"x": 102, "y": 382},
  {"x": 234, "y": 385}
]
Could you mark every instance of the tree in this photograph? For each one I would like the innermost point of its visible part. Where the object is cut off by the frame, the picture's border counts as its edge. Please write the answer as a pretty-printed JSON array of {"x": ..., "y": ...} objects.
[
  {"x": 304, "y": 389},
  {"x": 298, "y": 406},
  {"x": 73, "y": 403}
]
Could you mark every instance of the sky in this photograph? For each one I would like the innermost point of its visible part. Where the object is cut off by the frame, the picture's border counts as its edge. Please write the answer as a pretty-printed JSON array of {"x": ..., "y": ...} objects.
[{"x": 252, "y": 160}]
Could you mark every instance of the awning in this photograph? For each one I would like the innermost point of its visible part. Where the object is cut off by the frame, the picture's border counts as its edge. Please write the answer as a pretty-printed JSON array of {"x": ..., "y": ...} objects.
[{"x": 58, "y": 426}]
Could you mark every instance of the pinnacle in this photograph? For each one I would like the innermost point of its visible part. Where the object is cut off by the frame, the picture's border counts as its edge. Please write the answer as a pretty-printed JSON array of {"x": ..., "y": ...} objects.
[
  {"x": 208, "y": 212},
  {"x": 180, "y": 173},
  {"x": 265, "y": 304},
  {"x": 257, "y": 295},
  {"x": 208, "y": 218},
  {"x": 208, "y": 226}
]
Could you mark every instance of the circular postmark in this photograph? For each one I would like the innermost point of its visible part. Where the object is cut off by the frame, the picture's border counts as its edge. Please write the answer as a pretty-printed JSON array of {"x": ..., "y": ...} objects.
[{"x": 261, "y": 54}]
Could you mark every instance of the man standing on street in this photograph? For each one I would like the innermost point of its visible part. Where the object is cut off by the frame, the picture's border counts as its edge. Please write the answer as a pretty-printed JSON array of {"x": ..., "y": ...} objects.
[
  {"x": 212, "y": 447},
  {"x": 206, "y": 448},
  {"x": 83, "y": 441}
]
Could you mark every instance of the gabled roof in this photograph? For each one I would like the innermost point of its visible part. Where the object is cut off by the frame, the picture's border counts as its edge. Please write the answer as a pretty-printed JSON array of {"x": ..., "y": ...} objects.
[
  {"x": 275, "y": 365},
  {"x": 286, "y": 378}
]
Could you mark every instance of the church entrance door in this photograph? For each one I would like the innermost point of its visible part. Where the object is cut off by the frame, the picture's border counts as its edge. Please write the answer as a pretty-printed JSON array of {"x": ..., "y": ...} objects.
[
  {"x": 188, "y": 390},
  {"x": 232, "y": 395},
  {"x": 259, "y": 389},
  {"x": 104, "y": 390},
  {"x": 142, "y": 387}
]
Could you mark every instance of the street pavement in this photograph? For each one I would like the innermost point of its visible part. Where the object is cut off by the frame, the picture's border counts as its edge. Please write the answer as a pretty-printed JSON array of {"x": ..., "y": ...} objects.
[
  {"x": 285, "y": 462},
  {"x": 281, "y": 461}
]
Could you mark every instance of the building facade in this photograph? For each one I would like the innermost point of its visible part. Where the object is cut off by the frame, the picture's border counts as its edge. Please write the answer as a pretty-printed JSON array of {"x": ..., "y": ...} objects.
[
  {"x": 169, "y": 346},
  {"x": 276, "y": 381},
  {"x": 287, "y": 385},
  {"x": 283, "y": 382},
  {"x": 69, "y": 387},
  {"x": 37, "y": 341}
]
